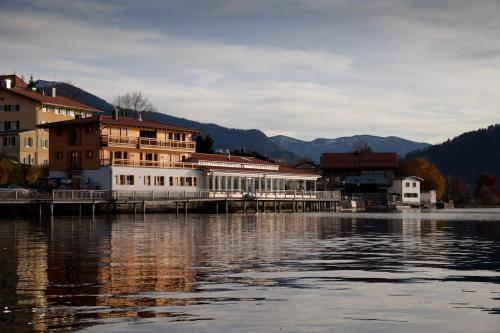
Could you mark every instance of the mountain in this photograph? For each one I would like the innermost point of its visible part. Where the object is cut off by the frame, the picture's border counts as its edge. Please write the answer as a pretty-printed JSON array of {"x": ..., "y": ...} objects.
[
  {"x": 468, "y": 155},
  {"x": 225, "y": 138},
  {"x": 313, "y": 149}
]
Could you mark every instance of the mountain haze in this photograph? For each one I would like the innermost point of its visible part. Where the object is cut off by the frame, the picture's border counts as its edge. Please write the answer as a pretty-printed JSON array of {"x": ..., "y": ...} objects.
[{"x": 313, "y": 149}]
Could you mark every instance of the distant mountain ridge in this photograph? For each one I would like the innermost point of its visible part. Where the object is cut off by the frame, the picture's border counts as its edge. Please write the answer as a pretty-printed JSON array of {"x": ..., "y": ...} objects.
[
  {"x": 313, "y": 149},
  {"x": 225, "y": 138},
  {"x": 468, "y": 155}
]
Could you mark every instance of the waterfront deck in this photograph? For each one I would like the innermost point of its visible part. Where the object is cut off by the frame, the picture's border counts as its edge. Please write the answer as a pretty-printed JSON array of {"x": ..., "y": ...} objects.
[{"x": 315, "y": 200}]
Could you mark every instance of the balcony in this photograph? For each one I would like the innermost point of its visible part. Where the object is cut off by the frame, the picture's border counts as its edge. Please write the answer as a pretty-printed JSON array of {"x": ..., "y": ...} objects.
[
  {"x": 147, "y": 143},
  {"x": 148, "y": 164}
]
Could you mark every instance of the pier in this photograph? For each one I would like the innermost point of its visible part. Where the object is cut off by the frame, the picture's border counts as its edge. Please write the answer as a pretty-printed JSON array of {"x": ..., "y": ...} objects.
[{"x": 220, "y": 201}]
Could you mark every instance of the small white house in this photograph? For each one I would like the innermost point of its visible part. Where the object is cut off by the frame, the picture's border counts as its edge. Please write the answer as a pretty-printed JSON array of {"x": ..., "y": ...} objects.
[{"x": 406, "y": 190}]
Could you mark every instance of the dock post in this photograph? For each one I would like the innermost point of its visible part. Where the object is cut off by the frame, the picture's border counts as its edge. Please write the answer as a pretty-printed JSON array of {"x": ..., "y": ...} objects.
[
  {"x": 144, "y": 208},
  {"x": 275, "y": 208},
  {"x": 52, "y": 209},
  {"x": 256, "y": 206},
  {"x": 177, "y": 207},
  {"x": 244, "y": 207},
  {"x": 303, "y": 206},
  {"x": 135, "y": 208},
  {"x": 216, "y": 207},
  {"x": 186, "y": 207},
  {"x": 227, "y": 206},
  {"x": 93, "y": 210},
  {"x": 39, "y": 211},
  {"x": 80, "y": 210}
]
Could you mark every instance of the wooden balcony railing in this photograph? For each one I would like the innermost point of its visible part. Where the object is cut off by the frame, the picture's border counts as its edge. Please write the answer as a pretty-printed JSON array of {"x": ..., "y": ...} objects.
[
  {"x": 140, "y": 142},
  {"x": 148, "y": 164}
]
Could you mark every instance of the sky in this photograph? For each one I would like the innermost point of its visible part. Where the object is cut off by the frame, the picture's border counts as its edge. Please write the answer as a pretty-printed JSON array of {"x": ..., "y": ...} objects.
[{"x": 425, "y": 70}]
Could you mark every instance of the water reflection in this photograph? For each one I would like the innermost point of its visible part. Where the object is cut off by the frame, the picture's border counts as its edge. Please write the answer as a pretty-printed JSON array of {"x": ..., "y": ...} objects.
[{"x": 294, "y": 272}]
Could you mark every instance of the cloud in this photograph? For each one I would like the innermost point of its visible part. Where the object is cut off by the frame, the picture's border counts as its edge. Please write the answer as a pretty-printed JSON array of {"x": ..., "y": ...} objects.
[{"x": 424, "y": 72}]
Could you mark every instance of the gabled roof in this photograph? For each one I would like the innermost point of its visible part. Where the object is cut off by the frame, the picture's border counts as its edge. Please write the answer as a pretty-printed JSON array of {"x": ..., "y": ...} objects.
[
  {"x": 128, "y": 122},
  {"x": 359, "y": 161},
  {"x": 228, "y": 158},
  {"x": 46, "y": 99}
]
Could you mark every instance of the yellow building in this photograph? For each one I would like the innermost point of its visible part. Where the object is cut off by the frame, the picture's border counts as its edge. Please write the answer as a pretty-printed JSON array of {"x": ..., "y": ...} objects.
[{"x": 21, "y": 110}]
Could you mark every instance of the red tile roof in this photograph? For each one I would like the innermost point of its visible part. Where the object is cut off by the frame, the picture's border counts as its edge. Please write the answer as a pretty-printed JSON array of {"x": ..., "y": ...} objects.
[
  {"x": 108, "y": 120},
  {"x": 196, "y": 157},
  {"x": 359, "y": 161},
  {"x": 46, "y": 99},
  {"x": 224, "y": 158}
]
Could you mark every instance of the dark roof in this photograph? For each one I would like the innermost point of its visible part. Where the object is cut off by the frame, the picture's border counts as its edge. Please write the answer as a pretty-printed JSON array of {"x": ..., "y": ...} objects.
[
  {"x": 231, "y": 158},
  {"x": 359, "y": 161},
  {"x": 108, "y": 120},
  {"x": 249, "y": 160},
  {"x": 47, "y": 99}
]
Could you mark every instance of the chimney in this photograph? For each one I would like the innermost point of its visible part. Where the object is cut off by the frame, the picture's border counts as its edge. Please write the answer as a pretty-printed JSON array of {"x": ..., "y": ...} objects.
[
  {"x": 228, "y": 154},
  {"x": 53, "y": 91},
  {"x": 7, "y": 83},
  {"x": 116, "y": 113},
  {"x": 140, "y": 116}
]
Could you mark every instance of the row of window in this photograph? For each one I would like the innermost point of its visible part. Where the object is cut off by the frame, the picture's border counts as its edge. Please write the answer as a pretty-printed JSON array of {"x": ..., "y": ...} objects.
[
  {"x": 88, "y": 154},
  {"x": 157, "y": 180},
  {"x": 411, "y": 195},
  {"x": 8, "y": 125},
  {"x": 68, "y": 112},
  {"x": 9, "y": 107},
  {"x": 413, "y": 184},
  {"x": 28, "y": 142}
]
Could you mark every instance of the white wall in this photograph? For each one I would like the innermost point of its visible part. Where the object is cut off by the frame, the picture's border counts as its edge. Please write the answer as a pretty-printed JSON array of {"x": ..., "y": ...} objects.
[
  {"x": 139, "y": 174},
  {"x": 399, "y": 187},
  {"x": 428, "y": 196}
]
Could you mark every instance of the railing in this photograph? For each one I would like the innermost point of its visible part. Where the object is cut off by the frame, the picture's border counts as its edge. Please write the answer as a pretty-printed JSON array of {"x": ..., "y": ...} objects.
[
  {"x": 141, "y": 142},
  {"x": 148, "y": 164},
  {"x": 99, "y": 195}
]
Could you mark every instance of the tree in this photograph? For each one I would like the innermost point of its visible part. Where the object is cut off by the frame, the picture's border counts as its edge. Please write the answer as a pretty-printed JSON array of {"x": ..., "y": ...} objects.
[
  {"x": 486, "y": 189},
  {"x": 204, "y": 144},
  {"x": 134, "y": 102},
  {"x": 361, "y": 147},
  {"x": 458, "y": 191},
  {"x": 432, "y": 178}
]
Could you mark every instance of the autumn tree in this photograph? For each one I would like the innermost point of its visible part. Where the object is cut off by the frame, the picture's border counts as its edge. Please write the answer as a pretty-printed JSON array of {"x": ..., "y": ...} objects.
[
  {"x": 486, "y": 190},
  {"x": 134, "y": 102},
  {"x": 432, "y": 178}
]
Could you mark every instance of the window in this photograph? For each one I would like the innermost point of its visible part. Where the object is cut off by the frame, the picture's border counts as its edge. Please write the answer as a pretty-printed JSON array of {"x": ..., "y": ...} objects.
[
  {"x": 195, "y": 181},
  {"x": 189, "y": 181},
  {"x": 44, "y": 108},
  {"x": 147, "y": 180},
  {"x": 28, "y": 160},
  {"x": 44, "y": 143},
  {"x": 59, "y": 155},
  {"x": 28, "y": 142},
  {"x": 90, "y": 154},
  {"x": 90, "y": 129},
  {"x": 407, "y": 184},
  {"x": 45, "y": 162},
  {"x": 159, "y": 180},
  {"x": 57, "y": 111},
  {"x": 411, "y": 195},
  {"x": 118, "y": 154},
  {"x": 130, "y": 180},
  {"x": 9, "y": 140},
  {"x": 414, "y": 184},
  {"x": 183, "y": 183},
  {"x": 171, "y": 181}
]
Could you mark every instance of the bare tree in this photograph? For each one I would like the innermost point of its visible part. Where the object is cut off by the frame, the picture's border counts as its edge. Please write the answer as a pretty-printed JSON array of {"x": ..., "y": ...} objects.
[{"x": 134, "y": 102}]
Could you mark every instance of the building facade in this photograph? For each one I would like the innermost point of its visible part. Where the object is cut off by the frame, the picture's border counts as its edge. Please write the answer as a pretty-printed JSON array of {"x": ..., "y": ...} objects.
[
  {"x": 116, "y": 153},
  {"x": 406, "y": 190},
  {"x": 21, "y": 110}
]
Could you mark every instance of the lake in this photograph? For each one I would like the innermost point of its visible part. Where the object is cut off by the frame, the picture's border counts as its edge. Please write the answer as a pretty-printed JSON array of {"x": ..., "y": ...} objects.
[{"x": 406, "y": 271}]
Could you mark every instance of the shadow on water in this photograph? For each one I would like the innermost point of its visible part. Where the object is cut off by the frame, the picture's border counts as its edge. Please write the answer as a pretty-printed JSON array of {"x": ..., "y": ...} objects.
[{"x": 71, "y": 274}]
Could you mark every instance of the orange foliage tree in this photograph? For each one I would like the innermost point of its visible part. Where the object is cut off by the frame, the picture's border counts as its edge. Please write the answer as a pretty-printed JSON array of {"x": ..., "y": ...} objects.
[{"x": 432, "y": 178}]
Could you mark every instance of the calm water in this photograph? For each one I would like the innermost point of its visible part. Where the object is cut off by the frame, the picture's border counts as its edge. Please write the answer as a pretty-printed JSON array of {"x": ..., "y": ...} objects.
[{"x": 401, "y": 272}]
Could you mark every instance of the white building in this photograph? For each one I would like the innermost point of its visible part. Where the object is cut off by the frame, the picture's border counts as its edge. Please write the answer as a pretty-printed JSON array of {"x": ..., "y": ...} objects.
[{"x": 406, "y": 190}]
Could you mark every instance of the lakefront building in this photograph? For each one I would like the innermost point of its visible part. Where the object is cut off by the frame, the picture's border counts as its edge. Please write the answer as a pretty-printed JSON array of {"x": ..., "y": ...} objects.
[
  {"x": 406, "y": 190},
  {"x": 118, "y": 153},
  {"x": 22, "y": 108}
]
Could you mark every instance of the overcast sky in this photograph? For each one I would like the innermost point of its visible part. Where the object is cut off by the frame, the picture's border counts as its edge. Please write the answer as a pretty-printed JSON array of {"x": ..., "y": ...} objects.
[{"x": 424, "y": 70}]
